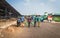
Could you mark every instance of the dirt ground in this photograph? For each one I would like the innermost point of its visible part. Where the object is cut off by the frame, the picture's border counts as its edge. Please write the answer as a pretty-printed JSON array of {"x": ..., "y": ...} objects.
[{"x": 46, "y": 30}]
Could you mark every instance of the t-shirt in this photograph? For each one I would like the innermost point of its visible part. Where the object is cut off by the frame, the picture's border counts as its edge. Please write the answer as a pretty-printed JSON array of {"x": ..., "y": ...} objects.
[
  {"x": 29, "y": 19},
  {"x": 19, "y": 20},
  {"x": 22, "y": 18},
  {"x": 33, "y": 17},
  {"x": 37, "y": 19}
]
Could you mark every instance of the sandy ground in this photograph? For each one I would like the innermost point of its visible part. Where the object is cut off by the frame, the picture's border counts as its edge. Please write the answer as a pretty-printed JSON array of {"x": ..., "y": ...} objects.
[
  {"x": 46, "y": 30},
  {"x": 7, "y": 22}
]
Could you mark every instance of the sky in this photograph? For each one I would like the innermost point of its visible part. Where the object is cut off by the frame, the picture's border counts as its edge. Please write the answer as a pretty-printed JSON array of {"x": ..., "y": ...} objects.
[{"x": 33, "y": 7}]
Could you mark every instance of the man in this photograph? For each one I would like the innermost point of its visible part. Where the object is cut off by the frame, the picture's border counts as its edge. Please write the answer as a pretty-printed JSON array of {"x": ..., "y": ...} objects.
[
  {"x": 50, "y": 18},
  {"x": 39, "y": 20},
  {"x": 22, "y": 20},
  {"x": 29, "y": 21},
  {"x": 36, "y": 20},
  {"x": 18, "y": 22}
]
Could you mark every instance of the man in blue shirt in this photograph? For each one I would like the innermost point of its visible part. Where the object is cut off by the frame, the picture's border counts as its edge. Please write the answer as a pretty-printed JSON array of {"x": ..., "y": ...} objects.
[
  {"x": 18, "y": 22},
  {"x": 22, "y": 19}
]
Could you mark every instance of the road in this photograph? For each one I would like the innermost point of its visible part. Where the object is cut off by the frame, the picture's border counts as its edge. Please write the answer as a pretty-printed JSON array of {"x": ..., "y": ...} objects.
[{"x": 46, "y": 30}]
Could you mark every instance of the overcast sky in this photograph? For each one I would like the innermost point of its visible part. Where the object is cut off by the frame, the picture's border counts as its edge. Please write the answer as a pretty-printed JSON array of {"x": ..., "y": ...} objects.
[{"x": 29, "y": 7}]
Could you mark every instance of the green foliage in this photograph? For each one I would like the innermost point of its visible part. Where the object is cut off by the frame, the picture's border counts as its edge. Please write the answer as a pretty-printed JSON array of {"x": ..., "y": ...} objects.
[{"x": 57, "y": 19}]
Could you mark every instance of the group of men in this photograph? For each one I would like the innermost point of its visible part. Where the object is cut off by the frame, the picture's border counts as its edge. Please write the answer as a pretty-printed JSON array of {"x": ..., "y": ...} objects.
[{"x": 36, "y": 19}]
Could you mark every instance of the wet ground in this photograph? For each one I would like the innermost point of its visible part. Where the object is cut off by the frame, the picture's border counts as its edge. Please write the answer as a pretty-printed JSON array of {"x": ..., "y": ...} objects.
[{"x": 46, "y": 30}]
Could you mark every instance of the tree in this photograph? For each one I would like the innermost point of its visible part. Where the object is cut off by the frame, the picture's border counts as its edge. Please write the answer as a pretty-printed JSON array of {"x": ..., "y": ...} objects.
[{"x": 46, "y": 13}]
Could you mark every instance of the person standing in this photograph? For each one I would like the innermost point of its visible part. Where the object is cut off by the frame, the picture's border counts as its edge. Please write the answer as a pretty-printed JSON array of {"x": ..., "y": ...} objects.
[
  {"x": 22, "y": 20},
  {"x": 35, "y": 20},
  {"x": 29, "y": 20},
  {"x": 39, "y": 20},
  {"x": 50, "y": 18}
]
